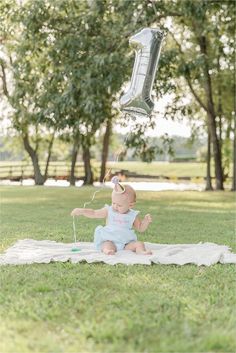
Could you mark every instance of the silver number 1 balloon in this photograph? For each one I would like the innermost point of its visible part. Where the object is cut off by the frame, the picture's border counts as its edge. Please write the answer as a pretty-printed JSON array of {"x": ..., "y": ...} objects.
[{"x": 147, "y": 45}]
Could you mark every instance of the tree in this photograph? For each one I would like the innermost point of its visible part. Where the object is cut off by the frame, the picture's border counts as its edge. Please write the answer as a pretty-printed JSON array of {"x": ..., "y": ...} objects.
[
  {"x": 201, "y": 45},
  {"x": 70, "y": 60},
  {"x": 85, "y": 74},
  {"x": 23, "y": 63}
]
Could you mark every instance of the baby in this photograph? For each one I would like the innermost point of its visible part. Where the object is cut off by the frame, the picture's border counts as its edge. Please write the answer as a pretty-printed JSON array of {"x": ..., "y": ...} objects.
[{"x": 120, "y": 219}]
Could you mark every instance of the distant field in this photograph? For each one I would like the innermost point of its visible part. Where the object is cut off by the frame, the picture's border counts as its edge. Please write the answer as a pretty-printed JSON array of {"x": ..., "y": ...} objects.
[{"x": 165, "y": 169}]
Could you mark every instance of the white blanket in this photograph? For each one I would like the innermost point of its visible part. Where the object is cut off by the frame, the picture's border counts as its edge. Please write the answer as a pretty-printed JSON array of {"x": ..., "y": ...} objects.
[{"x": 30, "y": 251}]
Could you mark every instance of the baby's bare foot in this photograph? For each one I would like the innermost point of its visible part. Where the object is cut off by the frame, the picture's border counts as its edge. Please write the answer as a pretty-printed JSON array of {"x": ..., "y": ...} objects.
[
  {"x": 144, "y": 252},
  {"x": 109, "y": 252}
]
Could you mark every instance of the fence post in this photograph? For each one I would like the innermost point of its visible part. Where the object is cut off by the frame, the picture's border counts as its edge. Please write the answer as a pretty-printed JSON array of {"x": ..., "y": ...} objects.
[
  {"x": 10, "y": 173},
  {"x": 22, "y": 174}
]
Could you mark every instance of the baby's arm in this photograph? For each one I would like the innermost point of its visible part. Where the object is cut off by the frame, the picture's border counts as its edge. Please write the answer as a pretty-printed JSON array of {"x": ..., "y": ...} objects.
[
  {"x": 89, "y": 213},
  {"x": 142, "y": 225}
]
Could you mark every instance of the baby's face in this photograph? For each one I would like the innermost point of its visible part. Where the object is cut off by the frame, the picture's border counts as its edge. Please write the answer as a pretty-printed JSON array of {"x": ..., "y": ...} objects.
[{"x": 120, "y": 203}]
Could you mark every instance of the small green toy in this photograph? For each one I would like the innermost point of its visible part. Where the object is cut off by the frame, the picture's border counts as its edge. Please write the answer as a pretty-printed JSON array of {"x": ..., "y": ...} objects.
[{"x": 75, "y": 249}]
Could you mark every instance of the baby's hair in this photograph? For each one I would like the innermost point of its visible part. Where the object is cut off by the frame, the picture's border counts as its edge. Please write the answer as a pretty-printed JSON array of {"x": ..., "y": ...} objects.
[
  {"x": 130, "y": 192},
  {"x": 126, "y": 190}
]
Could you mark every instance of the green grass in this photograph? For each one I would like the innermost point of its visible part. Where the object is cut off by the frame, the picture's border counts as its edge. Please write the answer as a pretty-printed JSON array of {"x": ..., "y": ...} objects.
[{"x": 61, "y": 307}]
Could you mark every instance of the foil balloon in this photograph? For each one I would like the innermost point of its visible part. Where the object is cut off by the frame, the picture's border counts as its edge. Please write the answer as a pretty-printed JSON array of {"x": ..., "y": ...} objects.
[{"x": 147, "y": 45}]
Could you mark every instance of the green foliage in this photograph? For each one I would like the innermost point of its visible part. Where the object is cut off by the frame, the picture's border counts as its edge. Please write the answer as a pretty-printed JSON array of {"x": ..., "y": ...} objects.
[
  {"x": 68, "y": 61},
  {"x": 202, "y": 34}
]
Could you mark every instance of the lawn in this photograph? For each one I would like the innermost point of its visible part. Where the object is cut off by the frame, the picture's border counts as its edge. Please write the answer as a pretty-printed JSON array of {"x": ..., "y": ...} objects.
[{"x": 62, "y": 307}]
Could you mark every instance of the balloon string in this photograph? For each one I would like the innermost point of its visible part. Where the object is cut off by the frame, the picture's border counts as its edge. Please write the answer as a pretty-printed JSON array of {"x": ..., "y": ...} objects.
[
  {"x": 87, "y": 203},
  {"x": 74, "y": 230},
  {"x": 97, "y": 191},
  {"x": 103, "y": 183},
  {"x": 117, "y": 156}
]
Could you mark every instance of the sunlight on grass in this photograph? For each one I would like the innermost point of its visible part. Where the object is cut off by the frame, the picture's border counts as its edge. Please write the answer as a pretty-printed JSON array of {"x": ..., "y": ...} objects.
[{"x": 201, "y": 205}]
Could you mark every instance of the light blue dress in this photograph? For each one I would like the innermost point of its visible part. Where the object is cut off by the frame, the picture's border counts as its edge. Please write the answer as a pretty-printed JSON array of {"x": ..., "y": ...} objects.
[{"x": 118, "y": 229}]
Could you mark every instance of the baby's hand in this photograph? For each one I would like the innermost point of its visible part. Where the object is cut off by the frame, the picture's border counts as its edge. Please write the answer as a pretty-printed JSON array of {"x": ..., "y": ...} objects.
[
  {"x": 148, "y": 219},
  {"x": 76, "y": 212}
]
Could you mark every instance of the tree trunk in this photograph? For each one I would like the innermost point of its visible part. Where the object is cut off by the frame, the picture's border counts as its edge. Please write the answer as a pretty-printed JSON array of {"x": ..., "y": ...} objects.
[
  {"x": 73, "y": 160},
  {"x": 38, "y": 177},
  {"x": 212, "y": 118},
  {"x": 208, "y": 176},
  {"x": 49, "y": 156},
  {"x": 88, "y": 179},
  {"x": 234, "y": 158},
  {"x": 105, "y": 149},
  {"x": 234, "y": 135},
  {"x": 217, "y": 153},
  {"x": 220, "y": 110}
]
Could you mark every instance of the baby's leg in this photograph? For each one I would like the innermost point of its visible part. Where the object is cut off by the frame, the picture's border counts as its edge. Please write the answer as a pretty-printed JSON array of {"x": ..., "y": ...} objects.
[
  {"x": 138, "y": 247},
  {"x": 108, "y": 247}
]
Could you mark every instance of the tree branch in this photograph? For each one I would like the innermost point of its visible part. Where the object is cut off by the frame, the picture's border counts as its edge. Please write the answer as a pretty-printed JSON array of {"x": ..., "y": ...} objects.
[
  {"x": 200, "y": 102},
  {"x": 188, "y": 78},
  {"x": 49, "y": 154},
  {"x": 4, "y": 81},
  {"x": 172, "y": 14}
]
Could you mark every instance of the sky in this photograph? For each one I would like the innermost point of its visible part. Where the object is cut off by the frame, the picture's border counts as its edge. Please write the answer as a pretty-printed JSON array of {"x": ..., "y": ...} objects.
[
  {"x": 171, "y": 128},
  {"x": 164, "y": 126}
]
